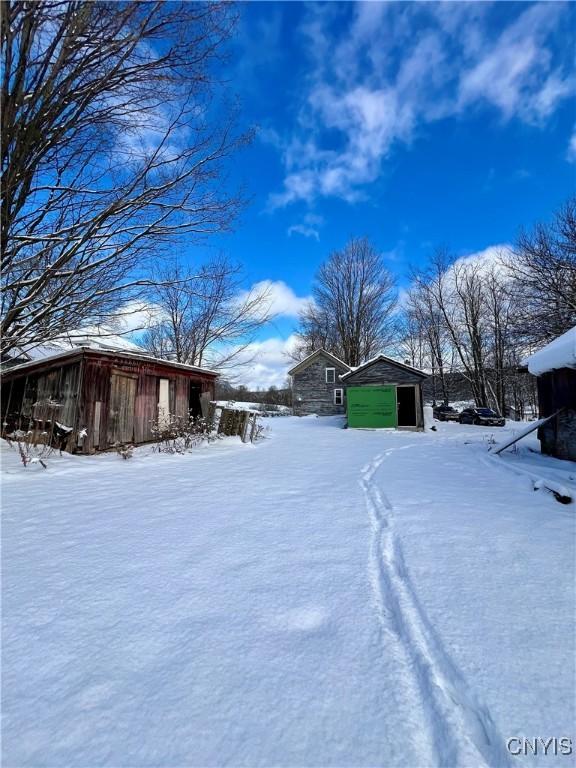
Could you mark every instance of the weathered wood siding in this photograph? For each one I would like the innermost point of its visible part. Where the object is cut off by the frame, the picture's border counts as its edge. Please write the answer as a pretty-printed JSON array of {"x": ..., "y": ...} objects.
[
  {"x": 98, "y": 383},
  {"x": 311, "y": 393},
  {"x": 146, "y": 407},
  {"x": 382, "y": 372},
  {"x": 113, "y": 397},
  {"x": 557, "y": 389},
  {"x": 122, "y": 408},
  {"x": 29, "y": 397}
]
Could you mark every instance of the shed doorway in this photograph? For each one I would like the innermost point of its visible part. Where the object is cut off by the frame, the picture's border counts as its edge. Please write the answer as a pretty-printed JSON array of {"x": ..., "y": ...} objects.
[
  {"x": 194, "y": 406},
  {"x": 406, "y": 399},
  {"x": 121, "y": 413}
]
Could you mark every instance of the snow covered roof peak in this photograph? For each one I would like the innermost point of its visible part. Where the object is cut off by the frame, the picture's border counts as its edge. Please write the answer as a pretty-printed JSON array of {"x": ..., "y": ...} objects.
[
  {"x": 386, "y": 359},
  {"x": 560, "y": 353},
  {"x": 312, "y": 355}
]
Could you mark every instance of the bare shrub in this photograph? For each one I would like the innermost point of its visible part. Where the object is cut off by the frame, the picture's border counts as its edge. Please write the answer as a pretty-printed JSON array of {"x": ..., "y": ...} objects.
[
  {"x": 179, "y": 434},
  {"x": 44, "y": 433},
  {"x": 124, "y": 450},
  {"x": 33, "y": 446}
]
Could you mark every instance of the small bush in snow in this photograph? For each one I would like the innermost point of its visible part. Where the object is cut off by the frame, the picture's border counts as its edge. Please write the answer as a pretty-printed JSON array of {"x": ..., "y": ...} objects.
[
  {"x": 179, "y": 434},
  {"x": 260, "y": 433},
  {"x": 33, "y": 446},
  {"x": 125, "y": 451}
]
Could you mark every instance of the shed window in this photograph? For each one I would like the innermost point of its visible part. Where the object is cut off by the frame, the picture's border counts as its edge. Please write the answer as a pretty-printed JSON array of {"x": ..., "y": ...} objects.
[
  {"x": 338, "y": 396},
  {"x": 330, "y": 375}
]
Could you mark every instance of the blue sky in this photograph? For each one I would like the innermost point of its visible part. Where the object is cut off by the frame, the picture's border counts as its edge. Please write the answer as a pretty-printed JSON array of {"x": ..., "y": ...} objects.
[{"x": 416, "y": 124}]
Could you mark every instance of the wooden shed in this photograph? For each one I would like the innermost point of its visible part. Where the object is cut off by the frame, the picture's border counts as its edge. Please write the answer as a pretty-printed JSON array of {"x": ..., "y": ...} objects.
[
  {"x": 384, "y": 393},
  {"x": 555, "y": 367},
  {"x": 113, "y": 395}
]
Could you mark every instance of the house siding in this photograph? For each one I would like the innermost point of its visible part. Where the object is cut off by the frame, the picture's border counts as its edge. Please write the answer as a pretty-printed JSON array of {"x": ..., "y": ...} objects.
[{"x": 311, "y": 393}]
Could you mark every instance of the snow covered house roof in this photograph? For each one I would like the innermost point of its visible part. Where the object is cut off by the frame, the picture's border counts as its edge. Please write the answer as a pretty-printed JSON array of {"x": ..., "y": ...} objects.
[
  {"x": 385, "y": 359},
  {"x": 560, "y": 353},
  {"x": 307, "y": 360}
]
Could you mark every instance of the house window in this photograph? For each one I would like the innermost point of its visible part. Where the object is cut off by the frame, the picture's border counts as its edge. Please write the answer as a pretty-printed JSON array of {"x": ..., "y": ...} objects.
[
  {"x": 338, "y": 397},
  {"x": 330, "y": 375}
]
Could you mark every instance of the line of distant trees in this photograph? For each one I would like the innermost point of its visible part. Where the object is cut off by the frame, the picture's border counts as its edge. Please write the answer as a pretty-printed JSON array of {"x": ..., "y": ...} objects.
[
  {"x": 477, "y": 317},
  {"x": 273, "y": 395}
]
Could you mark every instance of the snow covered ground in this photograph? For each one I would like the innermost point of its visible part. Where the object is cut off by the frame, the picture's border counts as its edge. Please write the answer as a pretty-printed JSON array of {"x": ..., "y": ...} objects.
[{"x": 327, "y": 597}]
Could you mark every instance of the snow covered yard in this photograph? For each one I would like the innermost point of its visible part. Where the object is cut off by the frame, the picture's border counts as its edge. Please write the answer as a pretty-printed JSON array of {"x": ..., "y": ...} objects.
[{"x": 328, "y": 597}]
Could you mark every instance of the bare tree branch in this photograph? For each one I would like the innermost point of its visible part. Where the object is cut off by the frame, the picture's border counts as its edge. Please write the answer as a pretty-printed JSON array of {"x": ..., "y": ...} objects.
[
  {"x": 113, "y": 145},
  {"x": 354, "y": 302}
]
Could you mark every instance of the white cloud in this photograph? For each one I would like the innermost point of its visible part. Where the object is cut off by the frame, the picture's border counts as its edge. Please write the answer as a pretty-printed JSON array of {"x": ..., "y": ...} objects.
[
  {"x": 365, "y": 96},
  {"x": 308, "y": 228},
  {"x": 266, "y": 363},
  {"x": 572, "y": 148},
  {"x": 489, "y": 260},
  {"x": 136, "y": 316},
  {"x": 492, "y": 255},
  {"x": 280, "y": 301},
  {"x": 305, "y": 231},
  {"x": 516, "y": 75}
]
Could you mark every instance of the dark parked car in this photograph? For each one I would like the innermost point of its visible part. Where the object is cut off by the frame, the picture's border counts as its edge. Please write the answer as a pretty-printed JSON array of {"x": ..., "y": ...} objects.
[
  {"x": 484, "y": 417},
  {"x": 446, "y": 413}
]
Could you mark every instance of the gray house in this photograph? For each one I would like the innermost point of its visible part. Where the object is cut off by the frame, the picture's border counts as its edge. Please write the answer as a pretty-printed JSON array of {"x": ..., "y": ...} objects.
[
  {"x": 379, "y": 393},
  {"x": 316, "y": 385}
]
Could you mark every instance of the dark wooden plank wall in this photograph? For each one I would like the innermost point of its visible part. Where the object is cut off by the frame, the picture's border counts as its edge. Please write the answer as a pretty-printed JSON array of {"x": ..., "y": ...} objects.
[
  {"x": 26, "y": 397},
  {"x": 84, "y": 388},
  {"x": 95, "y": 389},
  {"x": 557, "y": 389},
  {"x": 381, "y": 372},
  {"x": 146, "y": 407},
  {"x": 97, "y": 377}
]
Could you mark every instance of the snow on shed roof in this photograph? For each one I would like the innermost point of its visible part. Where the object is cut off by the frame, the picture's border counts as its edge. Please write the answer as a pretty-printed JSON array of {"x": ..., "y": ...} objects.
[
  {"x": 387, "y": 360},
  {"x": 560, "y": 353},
  {"x": 122, "y": 352},
  {"x": 112, "y": 343}
]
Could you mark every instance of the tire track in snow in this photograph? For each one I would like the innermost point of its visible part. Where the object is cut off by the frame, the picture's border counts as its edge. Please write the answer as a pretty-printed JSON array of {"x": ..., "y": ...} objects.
[{"x": 459, "y": 727}]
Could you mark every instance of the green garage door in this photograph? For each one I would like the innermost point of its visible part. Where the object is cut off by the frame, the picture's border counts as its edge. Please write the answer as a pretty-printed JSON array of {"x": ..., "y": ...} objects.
[{"x": 372, "y": 406}]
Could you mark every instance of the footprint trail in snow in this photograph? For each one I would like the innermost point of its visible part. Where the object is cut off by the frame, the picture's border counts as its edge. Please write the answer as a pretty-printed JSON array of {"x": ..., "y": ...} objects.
[{"x": 458, "y": 728}]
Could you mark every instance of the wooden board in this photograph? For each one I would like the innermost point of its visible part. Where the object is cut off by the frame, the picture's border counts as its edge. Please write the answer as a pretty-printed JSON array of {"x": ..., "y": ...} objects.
[
  {"x": 523, "y": 432},
  {"x": 121, "y": 409}
]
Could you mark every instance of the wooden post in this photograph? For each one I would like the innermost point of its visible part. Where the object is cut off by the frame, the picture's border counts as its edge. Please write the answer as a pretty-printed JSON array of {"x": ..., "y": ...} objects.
[
  {"x": 245, "y": 424},
  {"x": 253, "y": 430},
  {"x": 7, "y": 411}
]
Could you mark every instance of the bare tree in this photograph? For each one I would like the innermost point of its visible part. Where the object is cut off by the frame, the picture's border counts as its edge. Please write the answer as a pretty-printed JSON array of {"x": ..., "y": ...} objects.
[
  {"x": 429, "y": 338},
  {"x": 543, "y": 265},
  {"x": 113, "y": 144},
  {"x": 204, "y": 316},
  {"x": 462, "y": 311},
  {"x": 455, "y": 296},
  {"x": 353, "y": 312}
]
